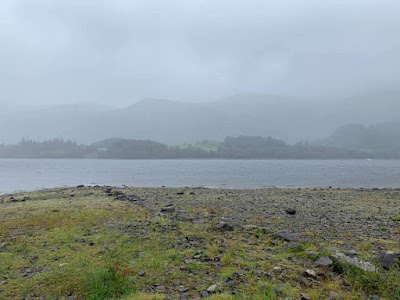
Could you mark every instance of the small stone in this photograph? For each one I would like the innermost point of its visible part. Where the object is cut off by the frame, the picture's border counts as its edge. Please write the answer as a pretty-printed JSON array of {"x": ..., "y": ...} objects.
[
  {"x": 305, "y": 282},
  {"x": 204, "y": 294},
  {"x": 323, "y": 261},
  {"x": 3, "y": 246},
  {"x": 168, "y": 209},
  {"x": 240, "y": 272},
  {"x": 161, "y": 289},
  {"x": 227, "y": 226},
  {"x": 277, "y": 270},
  {"x": 333, "y": 296},
  {"x": 182, "y": 289},
  {"x": 305, "y": 296},
  {"x": 375, "y": 297},
  {"x": 288, "y": 236},
  {"x": 230, "y": 283},
  {"x": 351, "y": 253},
  {"x": 132, "y": 262},
  {"x": 212, "y": 289},
  {"x": 292, "y": 246},
  {"x": 176, "y": 282},
  {"x": 142, "y": 273},
  {"x": 290, "y": 211},
  {"x": 310, "y": 273}
]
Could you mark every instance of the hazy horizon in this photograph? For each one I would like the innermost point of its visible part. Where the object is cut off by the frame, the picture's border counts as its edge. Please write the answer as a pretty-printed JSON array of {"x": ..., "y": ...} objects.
[
  {"x": 292, "y": 70},
  {"x": 116, "y": 53}
]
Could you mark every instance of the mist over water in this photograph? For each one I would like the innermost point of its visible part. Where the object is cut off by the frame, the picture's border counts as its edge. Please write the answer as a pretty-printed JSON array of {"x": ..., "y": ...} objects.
[{"x": 292, "y": 70}]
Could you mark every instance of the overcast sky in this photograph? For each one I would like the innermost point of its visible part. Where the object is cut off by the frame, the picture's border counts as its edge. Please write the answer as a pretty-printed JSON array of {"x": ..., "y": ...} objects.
[{"x": 119, "y": 51}]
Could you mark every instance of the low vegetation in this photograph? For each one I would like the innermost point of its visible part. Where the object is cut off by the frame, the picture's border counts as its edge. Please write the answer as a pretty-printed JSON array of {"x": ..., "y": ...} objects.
[
  {"x": 242, "y": 147},
  {"x": 113, "y": 243}
]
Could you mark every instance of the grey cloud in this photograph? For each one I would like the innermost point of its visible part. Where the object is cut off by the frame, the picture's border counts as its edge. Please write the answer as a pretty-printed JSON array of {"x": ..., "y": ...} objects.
[{"x": 116, "y": 52}]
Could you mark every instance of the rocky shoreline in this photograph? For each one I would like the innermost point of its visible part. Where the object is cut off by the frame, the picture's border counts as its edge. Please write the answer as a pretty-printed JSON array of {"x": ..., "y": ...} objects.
[{"x": 324, "y": 243}]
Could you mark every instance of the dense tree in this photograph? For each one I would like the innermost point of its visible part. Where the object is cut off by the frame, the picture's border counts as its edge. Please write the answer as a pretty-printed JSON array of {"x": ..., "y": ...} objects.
[{"x": 242, "y": 147}]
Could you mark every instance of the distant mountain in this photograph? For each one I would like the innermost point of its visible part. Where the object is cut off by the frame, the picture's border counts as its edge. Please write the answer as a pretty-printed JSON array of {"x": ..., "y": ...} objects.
[
  {"x": 377, "y": 137},
  {"x": 173, "y": 122}
]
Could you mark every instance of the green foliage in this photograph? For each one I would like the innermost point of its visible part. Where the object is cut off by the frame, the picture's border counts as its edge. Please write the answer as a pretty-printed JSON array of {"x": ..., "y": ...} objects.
[
  {"x": 231, "y": 148},
  {"x": 107, "y": 283}
]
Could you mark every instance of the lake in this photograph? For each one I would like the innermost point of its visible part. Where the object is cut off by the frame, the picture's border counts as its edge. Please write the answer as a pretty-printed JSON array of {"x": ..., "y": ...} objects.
[{"x": 32, "y": 174}]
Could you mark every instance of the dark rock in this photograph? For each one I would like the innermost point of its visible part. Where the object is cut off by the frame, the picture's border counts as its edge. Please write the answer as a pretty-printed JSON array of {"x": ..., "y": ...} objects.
[
  {"x": 176, "y": 282},
  {"x": 388, "y": 259},
  {"x": 304, "y": 281},
  {"x": 351, "y": 253},
  {"x": 323, "y": 261},
  {"x": 168, "y": 209},
  {"x": 3, "y": 246},
  {"x": 292, "y": 246},
  {"x": 227, "y": 226},
  {"x": 230, "y": 283},
  {"x": 289, "y": 236},
  {"x": 180, "y": 193},
  {"x": 80, "y": 186},
  {"x": 290, "y": 211},
  {"x": 204, "y": 294}
]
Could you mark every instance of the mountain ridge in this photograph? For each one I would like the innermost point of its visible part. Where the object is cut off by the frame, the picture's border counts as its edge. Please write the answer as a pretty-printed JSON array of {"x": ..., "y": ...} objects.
[{"x": 175, "y": 122}]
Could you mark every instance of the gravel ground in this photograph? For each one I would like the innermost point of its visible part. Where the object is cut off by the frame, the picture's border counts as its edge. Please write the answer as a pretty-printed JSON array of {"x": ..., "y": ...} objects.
[{"x": 349, "y": 216}]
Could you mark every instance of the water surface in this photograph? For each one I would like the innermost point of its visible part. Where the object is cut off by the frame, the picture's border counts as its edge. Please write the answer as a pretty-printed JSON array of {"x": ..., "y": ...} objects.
[{"x": 32, "y": 174}]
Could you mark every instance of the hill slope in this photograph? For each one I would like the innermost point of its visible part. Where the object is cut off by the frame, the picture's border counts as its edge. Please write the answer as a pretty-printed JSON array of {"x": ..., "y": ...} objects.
[{"x": 174, "y": 122}]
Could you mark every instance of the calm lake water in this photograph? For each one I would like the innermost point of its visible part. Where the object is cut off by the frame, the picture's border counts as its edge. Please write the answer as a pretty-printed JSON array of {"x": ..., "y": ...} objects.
[{"x": 31, "y": 174}]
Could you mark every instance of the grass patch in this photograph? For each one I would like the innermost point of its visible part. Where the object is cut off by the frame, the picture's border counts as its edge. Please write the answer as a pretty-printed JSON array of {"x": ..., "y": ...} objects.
[{"x": 107, "y": 283}]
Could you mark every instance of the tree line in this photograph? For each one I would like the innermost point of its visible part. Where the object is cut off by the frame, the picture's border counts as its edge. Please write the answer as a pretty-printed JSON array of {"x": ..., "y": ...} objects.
[{"x": 242, "y": 147}]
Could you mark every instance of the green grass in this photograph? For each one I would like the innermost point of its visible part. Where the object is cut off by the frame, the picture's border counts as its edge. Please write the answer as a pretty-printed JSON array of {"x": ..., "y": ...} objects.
[
  {"x": 107, "y": 283},
  {"x": 93, "y": 247}
]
